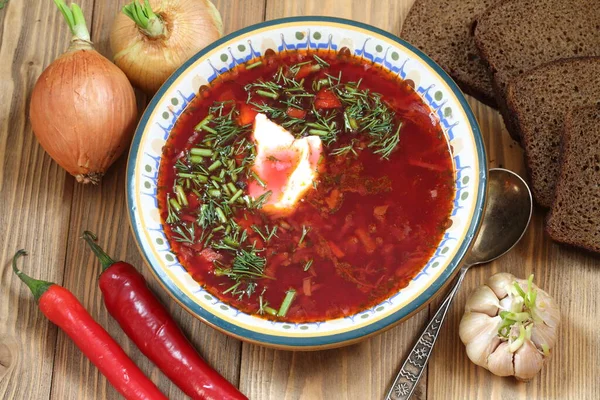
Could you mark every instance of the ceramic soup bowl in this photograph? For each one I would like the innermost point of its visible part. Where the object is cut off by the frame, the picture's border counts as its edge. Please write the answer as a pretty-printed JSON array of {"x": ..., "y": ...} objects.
[{"x": 429, "y": 81}]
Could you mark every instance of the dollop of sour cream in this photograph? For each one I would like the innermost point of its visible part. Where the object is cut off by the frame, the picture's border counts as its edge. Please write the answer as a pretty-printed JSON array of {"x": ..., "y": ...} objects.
[{"x": 285, "y": 166}]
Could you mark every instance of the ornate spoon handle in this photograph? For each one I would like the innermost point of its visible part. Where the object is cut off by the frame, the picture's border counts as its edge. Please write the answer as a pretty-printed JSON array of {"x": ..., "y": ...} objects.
[{"x": 415, "y": 364}]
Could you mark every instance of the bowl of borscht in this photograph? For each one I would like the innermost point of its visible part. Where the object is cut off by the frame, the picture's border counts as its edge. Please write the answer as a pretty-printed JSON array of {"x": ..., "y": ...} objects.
[{"x": 307, "y": 182}]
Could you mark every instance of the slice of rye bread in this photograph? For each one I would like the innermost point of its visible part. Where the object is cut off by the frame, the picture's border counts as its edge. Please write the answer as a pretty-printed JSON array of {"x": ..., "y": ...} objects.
[
  {"x": 443, "y": 30},
  {"x": 575, "y": 215},
  {"x": 539, "y": 101},
  {"x": 517, "y": 35}
]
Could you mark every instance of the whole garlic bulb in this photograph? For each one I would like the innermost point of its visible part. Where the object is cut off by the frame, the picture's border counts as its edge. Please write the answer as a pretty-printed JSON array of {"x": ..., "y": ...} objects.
[{"x": 510, "y": 326}]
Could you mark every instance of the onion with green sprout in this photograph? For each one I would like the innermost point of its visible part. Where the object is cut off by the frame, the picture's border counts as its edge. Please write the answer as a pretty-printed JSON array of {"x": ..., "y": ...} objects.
[
  {"x": 83, "y": 109},
  {"x": 151, "y": 39}
]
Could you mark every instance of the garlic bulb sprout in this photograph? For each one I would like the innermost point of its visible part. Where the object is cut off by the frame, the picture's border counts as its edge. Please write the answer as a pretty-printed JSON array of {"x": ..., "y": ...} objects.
[{"x": 510, "y": 326}]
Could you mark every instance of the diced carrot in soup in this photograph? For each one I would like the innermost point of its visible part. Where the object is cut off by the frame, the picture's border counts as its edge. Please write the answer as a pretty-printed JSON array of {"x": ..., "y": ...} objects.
[
  {"x": 325, "y": 98},
  {"x": 247, "y": 114},
  {"x": 296, "y": 112}
]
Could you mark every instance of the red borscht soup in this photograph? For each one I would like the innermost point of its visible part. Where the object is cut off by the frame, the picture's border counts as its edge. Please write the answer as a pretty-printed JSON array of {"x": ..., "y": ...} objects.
[{"x": 306, "y": 186}]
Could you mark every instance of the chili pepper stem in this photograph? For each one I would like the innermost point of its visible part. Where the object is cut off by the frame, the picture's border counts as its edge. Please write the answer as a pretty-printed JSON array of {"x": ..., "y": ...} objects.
[
  {"x": 104, "y": 258},
  {"x": 37, "y": 287}
]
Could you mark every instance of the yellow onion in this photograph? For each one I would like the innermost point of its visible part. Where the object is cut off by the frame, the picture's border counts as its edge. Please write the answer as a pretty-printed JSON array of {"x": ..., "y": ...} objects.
[
  {"x": 151, "y": 40},
  {"x": 83, "y": 109}
]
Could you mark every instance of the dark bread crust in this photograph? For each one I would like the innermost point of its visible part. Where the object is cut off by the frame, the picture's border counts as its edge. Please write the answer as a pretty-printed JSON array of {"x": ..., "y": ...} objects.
[
  {"x": 515, "y": 36},
  {"x": 443, "y": 30},
  {"x": 575, "y": 215},
  {"x": 538, "y": 102}
]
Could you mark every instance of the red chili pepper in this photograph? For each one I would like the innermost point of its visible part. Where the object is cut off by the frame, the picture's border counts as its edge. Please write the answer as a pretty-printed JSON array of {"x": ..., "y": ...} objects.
[
  {"x": 63, "y": 309},
  {"x": 148, "y": 324},
  {"x": 327, "y": 99}
]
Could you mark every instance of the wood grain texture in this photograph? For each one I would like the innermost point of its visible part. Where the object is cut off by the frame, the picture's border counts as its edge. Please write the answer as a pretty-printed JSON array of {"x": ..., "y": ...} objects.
[
  {"x": 35, "y": 199},
  {"x": 43, "y": 210},
  {"x": 384, "y": 14}
]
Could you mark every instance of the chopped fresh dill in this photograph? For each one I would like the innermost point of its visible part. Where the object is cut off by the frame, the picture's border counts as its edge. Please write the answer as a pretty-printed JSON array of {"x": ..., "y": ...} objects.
[
  {"x": 268, "y": 234},
  {"x": 185, "y": 233},
  {"x": 247, "y": 264},
  {"x": 296, "y": 67},
  {"x": 261, "y": 303},
  {"x": 345, "y": 149},
  {"x": 257, "y": 230},
  {"x": 308, "y": 265},
  {"x": 208, "y": 214},
  {"x": 180, "y": 166},
  {"x": 271, "y": 234},
  {"x": 224, "y": 126},
  {"x": 325, "y": 126},
  {"x": 366, "y": 112},
  {"x": 272, "y": 112},
  {"x": 305, "y": 231},
  {"x": 240, "y": 289},
  {"x": 387, "y": 144},
  {"x": 321, "y": 62},
  {"x": 260, "y": 201}
]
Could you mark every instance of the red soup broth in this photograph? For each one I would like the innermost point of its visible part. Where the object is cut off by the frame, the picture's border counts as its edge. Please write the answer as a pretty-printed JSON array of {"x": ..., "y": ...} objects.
[{"x": 367, "y": 226}]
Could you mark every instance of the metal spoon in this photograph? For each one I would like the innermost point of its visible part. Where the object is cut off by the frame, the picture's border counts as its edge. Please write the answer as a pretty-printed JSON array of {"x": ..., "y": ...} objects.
[{"x": 506, "y": 217}]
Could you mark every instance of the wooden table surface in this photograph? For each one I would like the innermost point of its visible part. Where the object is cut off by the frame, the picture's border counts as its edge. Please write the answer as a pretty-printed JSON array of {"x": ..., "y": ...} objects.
[{"x": 43, "y": 210}]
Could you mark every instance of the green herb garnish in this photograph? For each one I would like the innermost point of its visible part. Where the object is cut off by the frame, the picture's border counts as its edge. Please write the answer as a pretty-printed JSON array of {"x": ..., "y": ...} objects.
[
  {"x": 305, "y": 231},
  {"x": 184, "y": 233},
  {"x": 287, "y": 302},
  {"x": 308, "y": 265}
]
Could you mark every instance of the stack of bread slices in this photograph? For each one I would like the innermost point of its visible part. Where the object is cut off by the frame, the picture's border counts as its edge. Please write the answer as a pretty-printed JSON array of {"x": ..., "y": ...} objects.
[{"x": 538, "y": 62}]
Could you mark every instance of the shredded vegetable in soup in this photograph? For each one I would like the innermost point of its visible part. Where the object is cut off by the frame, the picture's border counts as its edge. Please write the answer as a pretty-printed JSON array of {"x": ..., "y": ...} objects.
[{"x": 306, "y": 186}]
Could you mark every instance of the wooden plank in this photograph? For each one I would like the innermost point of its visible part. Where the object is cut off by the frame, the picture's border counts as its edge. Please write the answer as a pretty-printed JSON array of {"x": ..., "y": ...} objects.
[
  {"x": 362, "y": 371},
  {"x": 384, "y": 14},
  {"x": 240, "y": 14},
  {"x": 568, "y": 275},
  {"x": 36, "y": 197},
  {"x": 103, "y": 210}
]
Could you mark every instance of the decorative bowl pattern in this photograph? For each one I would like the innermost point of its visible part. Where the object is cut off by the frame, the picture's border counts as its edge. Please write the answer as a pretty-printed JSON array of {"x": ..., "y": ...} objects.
[{"x": 428, "y": 80}]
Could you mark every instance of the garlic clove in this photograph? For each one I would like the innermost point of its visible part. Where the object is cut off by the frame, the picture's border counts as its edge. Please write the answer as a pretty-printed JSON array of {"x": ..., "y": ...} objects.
[
  {"x": 472, "y": 325},
  {"x": 542, "y": 334},
  {"x": 500, "y": 282},
  {"x": 528, "y": 361},
  {"x": 546, "y": 309},
  {"x": 483, "y": 300},
  {"x": 485, "y": 342},
  {"x": 500, "y": 362},
  {"x": 506, "y": 304}
]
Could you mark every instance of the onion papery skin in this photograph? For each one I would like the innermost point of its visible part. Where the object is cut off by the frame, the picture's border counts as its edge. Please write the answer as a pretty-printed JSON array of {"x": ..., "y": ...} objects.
[
  {"x": 190, "y": 25},
  {"x": 83, "y": 112}
]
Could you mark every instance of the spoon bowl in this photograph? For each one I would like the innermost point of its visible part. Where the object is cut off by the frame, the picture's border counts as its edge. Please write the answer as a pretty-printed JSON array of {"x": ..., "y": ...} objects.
[
  {"x": 507, "y": 215},
  {"x": 505, "y": 220}
]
